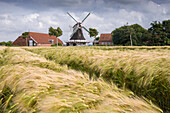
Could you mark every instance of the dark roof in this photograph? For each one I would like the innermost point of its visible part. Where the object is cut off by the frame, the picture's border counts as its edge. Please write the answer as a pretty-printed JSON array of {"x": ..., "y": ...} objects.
[
  {"x": 78, "y": 35},
  {"x": 105, "y": 37},
  {"x": 43, "y": 38}
]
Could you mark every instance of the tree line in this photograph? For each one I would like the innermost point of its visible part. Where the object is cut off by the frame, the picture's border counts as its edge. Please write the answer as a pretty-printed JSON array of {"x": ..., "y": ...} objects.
[
  {"x": 157, "y": 35},
  {"x": 9, "y": 43}
]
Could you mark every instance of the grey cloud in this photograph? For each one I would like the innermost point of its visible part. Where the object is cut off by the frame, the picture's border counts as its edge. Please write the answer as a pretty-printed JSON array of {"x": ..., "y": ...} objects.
[
  {"x": 161, "y": 1},
  {"x": 46, "y": 4},
  {"x": 88, "y": 5},
  {"x": 123, "y": 1}
]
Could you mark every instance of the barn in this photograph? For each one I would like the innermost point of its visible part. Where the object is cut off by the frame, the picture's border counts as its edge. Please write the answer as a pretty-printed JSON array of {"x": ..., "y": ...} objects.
[
  {"x": 105, "y": 39},
  {"x": 37, "y": 39}
]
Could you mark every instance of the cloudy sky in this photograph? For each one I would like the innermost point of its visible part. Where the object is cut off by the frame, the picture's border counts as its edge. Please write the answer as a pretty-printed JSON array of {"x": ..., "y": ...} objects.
[{"x": 18, "y": 16}]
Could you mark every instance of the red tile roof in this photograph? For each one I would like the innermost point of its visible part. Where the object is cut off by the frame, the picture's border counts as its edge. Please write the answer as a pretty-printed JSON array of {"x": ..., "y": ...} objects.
[
  {"x": 43, "y": 38},
  {"x": 105, "y": 37}
]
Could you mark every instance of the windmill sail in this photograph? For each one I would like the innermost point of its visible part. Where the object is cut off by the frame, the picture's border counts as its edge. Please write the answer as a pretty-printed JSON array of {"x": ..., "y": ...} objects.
[
  {"x": 85, "y": 29},
  {"x": 85, "y": 18},
  {"x": 72, "y": 17}
]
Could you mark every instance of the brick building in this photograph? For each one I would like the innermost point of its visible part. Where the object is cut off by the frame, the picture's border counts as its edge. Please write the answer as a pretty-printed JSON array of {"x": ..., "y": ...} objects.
[
  {"x": 105, "y": 39},
  {"x": 37, "y": 39}
]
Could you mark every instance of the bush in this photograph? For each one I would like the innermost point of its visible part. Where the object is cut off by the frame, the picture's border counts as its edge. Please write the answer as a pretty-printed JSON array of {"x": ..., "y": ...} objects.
[
  {"x": 9, "y": 43},
  {"x": 59, "y": 44}
]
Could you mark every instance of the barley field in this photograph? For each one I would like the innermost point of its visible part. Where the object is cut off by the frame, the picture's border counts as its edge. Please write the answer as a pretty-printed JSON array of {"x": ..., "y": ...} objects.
[{"x": 84, "y": 79}]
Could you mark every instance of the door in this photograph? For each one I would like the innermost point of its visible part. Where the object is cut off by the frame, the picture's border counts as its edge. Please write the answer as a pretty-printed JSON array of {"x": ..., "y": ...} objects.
[
  {"x": 30, "y": 42},
  {"x": 74, "y": 44}
]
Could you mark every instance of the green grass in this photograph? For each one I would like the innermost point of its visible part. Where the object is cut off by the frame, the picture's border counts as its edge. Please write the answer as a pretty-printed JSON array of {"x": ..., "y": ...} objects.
[
  {"x": 143, "y": 70},
  {"x": 39, "y": 85}
]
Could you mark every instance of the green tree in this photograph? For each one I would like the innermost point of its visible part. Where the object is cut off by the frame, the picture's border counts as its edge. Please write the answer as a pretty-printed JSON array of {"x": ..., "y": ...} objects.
[
  {"x": 3, "y": 43},
  {"x": 140, "y": 35},
  {"x": 166, "y": 27},
  {"x": 93, "y": 32},
  {"x": 130, "y": 35},
  {"x": 158, "y": 34},
  {"x": 120, "y": 36},
  {"x": 55, "y": 32},
  {"x": 9, "y": 43},
  {"x": 25, "y": 35},
  {"x": 97, "y": 38}
]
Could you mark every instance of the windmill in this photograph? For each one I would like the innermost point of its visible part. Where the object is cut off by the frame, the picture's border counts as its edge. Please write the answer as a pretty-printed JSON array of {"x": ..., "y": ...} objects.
[{"x": 77, "y": 37}]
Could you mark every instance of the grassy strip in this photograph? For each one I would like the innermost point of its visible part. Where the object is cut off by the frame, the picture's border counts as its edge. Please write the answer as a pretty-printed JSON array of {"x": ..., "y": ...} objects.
[
  {"x": 47, "y": 89},
  {"x": 158, "y": 48},
  {"x": 145, "y": 72}
]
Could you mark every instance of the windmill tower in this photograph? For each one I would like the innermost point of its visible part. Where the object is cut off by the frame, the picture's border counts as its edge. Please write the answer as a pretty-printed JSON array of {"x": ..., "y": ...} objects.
[{"x": 77, "y": 37}]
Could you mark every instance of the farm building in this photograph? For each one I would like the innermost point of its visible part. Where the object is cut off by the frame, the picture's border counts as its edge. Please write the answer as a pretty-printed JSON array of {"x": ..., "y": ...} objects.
[
  {"x": 106, "y": 39},
  {"x": 37, "y": 39}
]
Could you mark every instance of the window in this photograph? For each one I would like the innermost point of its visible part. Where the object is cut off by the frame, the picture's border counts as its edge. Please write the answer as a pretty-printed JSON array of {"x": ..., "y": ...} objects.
[
  {"x": 52, "y": 41},
  {"x": 102, "y": 43},
  {"x": 108, "y": 43},
  {"x": 105, "y": 43}
]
